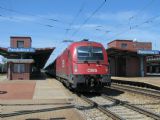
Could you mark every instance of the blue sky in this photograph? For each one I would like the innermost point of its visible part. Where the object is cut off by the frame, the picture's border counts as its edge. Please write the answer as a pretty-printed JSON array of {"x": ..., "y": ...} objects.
[{"x": 49, "y": 22}]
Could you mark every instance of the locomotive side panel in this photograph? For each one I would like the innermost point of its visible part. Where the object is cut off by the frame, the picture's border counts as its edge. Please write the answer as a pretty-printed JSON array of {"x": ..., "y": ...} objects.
[{"x": 62, "y": 64}]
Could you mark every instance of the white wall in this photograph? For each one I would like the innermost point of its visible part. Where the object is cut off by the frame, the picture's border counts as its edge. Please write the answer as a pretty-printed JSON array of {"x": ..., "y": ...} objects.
[{"x": 1, "y": 57}]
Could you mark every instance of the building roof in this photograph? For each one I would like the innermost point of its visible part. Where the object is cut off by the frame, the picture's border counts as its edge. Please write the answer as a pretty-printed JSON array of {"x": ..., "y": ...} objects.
[
  {"x": 3, "y": 51},
  {"x": 20, "y": 37},
  {"x": 120, "y": 52},
  {"x": 121, "y": 41},
  {"x": 42, "y": 55}
]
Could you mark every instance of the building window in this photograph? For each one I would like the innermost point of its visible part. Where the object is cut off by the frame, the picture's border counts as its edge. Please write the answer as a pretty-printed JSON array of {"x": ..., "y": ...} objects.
[
  {"x": 20, "y": 44},
  {"x": 123, "y": 45},
  {"x": 19, "y": 68}
]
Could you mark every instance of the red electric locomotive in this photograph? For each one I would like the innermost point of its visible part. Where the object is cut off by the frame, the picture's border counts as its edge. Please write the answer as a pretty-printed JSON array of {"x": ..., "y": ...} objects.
[{"x": 84, "y": 66}]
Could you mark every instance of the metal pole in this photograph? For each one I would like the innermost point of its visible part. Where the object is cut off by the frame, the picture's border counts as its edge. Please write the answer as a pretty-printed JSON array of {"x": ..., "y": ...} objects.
[
  {"x": 142, "y": 65},
  {"x": 2, "y": 67}
]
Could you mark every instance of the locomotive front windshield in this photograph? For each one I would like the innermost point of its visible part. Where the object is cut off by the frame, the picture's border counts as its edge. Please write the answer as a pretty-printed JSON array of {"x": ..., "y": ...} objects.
[{"x": 89, "y": 53}]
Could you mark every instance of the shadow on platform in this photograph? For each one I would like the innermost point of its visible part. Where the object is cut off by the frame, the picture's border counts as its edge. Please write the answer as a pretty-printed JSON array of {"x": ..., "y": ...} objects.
[{"x": 38, "y": 76}]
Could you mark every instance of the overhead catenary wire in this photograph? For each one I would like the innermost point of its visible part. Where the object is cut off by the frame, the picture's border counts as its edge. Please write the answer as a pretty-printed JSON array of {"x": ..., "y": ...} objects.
[
  {"x": 141, "y": 10},
  {"x": 131, "y": 27},
  {"x": 101, "y": 29},
  {"x": 75, "y": 18},
  {"x": 132, "y": 17},
  {"x": 150, "y": 20},
  {"x": 14, "y": 18},
  {"x": 78, "y": 13},
  {"x": 69, "y": 28},
  {"x": 24, "y": 13},
  {"x": 88, "y": 18}
]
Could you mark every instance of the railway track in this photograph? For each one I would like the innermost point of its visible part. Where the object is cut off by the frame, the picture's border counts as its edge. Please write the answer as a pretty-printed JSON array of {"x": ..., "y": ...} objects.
[
  {"x": 102, "y": 108},
  {"x": 119, "y": 110},
  {"x": 113, "y": 108},
  {"x": 152, "y": 105},
  {"x": 87, "y": 109},
  {"x": 136, "y": 84},
  {"x": 144, "y": 91}
]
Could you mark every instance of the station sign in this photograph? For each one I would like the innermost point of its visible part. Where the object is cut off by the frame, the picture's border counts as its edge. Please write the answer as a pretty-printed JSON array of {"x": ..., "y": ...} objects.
[
  {"x": 148, "y": 52},
  {"x": 21, "y": 50}
]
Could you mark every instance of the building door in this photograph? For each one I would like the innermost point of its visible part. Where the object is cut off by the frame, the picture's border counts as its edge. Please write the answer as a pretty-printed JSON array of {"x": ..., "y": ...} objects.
[{"x": 121, "y": 66}]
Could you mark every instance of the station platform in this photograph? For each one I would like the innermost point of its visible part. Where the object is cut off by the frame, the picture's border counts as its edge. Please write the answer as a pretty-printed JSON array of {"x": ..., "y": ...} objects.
[
  {"x": 36, "y": 100},
  {"x": 153, "y": 81},
  {"x": 52, "y": 89},
  {"x": 33, "y": 89}
]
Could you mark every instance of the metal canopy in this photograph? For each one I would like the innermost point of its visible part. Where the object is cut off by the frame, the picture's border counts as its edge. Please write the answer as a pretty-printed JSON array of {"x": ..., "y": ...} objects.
[
  {"x": 40, "y": 55},
  {"x": 112, "y": 52}
]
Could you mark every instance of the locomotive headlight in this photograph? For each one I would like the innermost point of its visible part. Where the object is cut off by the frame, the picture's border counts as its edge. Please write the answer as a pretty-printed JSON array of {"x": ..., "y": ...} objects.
[
  {"x": 75, "y": 68},
  {"x": 107, "y": 68}
]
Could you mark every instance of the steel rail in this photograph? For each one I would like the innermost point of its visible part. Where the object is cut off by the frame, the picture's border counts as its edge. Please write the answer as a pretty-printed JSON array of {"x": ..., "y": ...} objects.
[
  {"x": 152, "y": 93},
  {"x": 101, "y": 108},
  {"x": 140, "y": 110},
  {"x": 135, "y": 83}
]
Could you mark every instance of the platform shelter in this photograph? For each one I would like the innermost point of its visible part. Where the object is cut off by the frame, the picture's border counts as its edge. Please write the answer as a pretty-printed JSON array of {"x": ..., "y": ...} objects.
[{"x": 23, "y": 61}]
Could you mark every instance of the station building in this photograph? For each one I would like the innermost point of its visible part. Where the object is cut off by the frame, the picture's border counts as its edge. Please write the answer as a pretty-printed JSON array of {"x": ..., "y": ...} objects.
[
  {"x": 23, "y": 61},
  {"x": 124, "y": 58}
]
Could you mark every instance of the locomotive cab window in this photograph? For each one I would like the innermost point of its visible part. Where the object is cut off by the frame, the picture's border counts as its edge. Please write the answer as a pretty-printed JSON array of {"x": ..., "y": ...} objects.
[{"x": 89, "y": 53}]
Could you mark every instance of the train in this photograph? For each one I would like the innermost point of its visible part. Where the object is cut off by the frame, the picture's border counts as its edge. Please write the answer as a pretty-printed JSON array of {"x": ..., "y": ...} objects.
[{"x": 83, "y": 66}]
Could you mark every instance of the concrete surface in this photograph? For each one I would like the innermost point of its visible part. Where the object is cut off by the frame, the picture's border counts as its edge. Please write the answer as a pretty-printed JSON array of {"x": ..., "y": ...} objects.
[
  {"x": 3, "y": 77},
  {"x": 50, "y": 89},
  {"x": 39, "y": 110},
  {"x": 33, "y": 89},
  {"x": 17, "y": 90},
  {"x": 36, "y": 100}
]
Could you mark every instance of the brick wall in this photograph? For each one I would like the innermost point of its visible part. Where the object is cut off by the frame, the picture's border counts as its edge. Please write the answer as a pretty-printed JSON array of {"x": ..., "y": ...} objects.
[
  {"x": 27, "y": 41},
  {"x": 112, "y": 66},
  {"x": 19, "y": 76},
  {"x": 128, "y": 43},
  {"x": 142, "y": 45},
  {"x": 131, "y": 45},
  {"x": 132, "y": 66}
]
